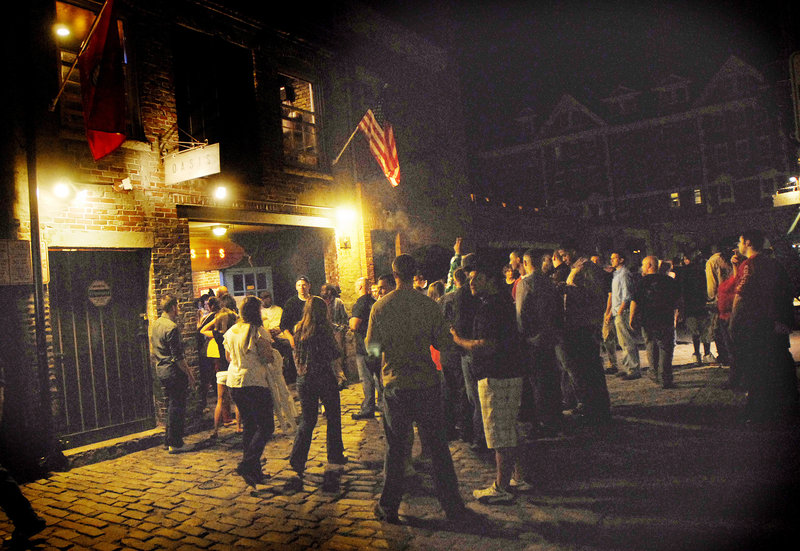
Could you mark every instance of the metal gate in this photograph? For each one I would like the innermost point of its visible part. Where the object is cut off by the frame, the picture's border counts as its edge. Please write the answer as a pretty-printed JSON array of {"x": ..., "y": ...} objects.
[{"x": 98, "y": 301}]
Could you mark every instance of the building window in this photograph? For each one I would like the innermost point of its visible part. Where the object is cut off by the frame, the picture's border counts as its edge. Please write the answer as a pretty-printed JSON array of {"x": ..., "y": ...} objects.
[
  {"x": 725, "y": 193},
  {"x": 698, "y": 197},
  {"x": 674, "y": 199},
  {"x": 216, "y": 102},
  {"x": 73, "y": 25},
  {"x": 243, "y": 282},
  {"x": 721, "y": 154},
  {"x": 299, "y": 121},
  {"x": 764, "y": 147},
  {"x": 768, "y": 187},
  {"x": 742, "y": 150}
]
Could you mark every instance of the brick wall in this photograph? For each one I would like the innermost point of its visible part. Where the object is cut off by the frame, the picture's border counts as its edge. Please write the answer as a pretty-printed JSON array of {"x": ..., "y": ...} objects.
[
  {"x": 146, "y": 217},
  {"x": 202, "y": 281}
]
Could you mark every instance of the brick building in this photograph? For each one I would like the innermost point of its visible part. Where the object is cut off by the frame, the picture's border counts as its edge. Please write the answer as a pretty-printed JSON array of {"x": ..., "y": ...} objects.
[
  {"x": 674, "y": 163},
  {"x": 279, "y": 92}
]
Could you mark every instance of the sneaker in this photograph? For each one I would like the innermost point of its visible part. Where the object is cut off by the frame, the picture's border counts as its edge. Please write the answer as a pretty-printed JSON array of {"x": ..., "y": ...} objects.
[
  {"x": 709, "y": 358},
  {"x": 519, "y": 485},
  {"x": 250, "y": 478},
  {"x": 341, "y": 460},
  {"x": 386, "y": 516},
  {"x": 611, "y": 370},
  {"x": 698, "y": 361},
  {"x": 631, "y": 376},
  {"x": 493, "y": 494},
  {"x": 25, "y": 532},
  {"x": 366, "y": 415},
  {"x": 180, "y": 449},
  {"x": 293, "y": 485}
]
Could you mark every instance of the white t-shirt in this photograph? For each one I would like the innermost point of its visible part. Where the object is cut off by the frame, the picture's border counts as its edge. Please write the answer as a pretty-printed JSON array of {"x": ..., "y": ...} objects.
[
  {"x": 272, "y": 316},
  {"x": 246, "y": 368}
]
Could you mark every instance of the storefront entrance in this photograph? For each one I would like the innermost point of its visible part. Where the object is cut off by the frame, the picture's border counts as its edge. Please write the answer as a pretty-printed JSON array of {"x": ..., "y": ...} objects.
[{"x": 98, "y": 302}]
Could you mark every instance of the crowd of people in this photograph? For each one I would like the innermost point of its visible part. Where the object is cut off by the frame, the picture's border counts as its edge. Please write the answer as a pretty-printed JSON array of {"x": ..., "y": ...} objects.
[
  {"x": 473, "y": 356},
  {"x": 482, "y": 352}
]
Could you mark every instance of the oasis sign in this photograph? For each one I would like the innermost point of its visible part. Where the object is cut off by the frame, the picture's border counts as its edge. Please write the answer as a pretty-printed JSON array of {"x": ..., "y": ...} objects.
[{"x": 192, "y": 163}]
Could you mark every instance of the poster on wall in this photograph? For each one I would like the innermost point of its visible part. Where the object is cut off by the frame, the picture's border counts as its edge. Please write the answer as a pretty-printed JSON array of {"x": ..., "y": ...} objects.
[{"x": 15, "y": 262}]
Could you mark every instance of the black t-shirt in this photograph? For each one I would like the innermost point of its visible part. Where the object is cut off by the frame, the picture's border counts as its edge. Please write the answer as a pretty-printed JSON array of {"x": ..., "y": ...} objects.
[
  {"x": 464, "y": 307},
  {"x": 656, "y": 297},
  {"x": 292, "y": 313},
  {"x": 496, "y": 320},
  {"x": 361, "y": 310}
]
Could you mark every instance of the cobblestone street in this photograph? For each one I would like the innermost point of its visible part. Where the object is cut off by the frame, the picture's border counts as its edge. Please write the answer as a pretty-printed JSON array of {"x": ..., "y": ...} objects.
[{"x": 674, "y": 470}]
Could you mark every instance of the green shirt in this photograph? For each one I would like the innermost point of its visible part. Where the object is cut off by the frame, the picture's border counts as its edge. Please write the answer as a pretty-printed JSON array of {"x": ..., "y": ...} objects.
[{"x": 403, "y": 326}]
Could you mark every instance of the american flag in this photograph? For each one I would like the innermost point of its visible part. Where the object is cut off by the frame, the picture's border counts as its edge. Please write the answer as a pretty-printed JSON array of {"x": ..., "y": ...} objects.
[{"x": 382, "y": 144}]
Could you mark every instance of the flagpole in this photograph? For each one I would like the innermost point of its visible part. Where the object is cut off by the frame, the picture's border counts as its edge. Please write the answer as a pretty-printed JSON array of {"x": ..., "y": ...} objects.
[
  {"x": 77, "y": 57},
  {"x": 350, "y": 139}
]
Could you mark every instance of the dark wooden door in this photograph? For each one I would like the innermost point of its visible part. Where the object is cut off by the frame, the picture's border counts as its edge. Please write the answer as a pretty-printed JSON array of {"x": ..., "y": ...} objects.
[{"x": 98, "y": 301}]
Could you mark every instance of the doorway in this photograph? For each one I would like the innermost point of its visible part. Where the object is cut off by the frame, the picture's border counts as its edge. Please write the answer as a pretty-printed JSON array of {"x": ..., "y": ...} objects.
[{"x": 98, "y": 301}]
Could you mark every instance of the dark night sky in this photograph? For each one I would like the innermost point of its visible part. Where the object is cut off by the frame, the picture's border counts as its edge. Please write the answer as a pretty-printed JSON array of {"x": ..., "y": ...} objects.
[{"x": 527, "y": 54}]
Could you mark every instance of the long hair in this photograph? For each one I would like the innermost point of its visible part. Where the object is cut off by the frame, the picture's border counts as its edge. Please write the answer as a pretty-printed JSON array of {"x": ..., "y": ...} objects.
[
  {"x": 251, "y": 315},
  {"x": 315, "y": 320}
]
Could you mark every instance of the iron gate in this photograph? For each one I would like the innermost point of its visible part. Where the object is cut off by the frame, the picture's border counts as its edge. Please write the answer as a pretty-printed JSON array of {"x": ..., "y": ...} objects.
[{"x": 98, "y": 302}]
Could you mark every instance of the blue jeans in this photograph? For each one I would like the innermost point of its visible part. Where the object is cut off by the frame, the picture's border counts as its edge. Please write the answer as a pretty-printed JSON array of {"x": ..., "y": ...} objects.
[
  {"x": 370, "y": 382},
  {"x": 402, "y": 408},
  {"x": 258, "y": 422},
  {"x": 471, "y": 388},
  {"x": 314, "y": 388},
  {"x": 175, "y": 390}
]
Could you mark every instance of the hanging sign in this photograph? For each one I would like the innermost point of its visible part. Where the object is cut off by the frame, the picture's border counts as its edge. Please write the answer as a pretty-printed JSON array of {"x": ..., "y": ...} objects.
[
  {"x": 99, "y": 293},
  {"x": 193, "y": 163}
]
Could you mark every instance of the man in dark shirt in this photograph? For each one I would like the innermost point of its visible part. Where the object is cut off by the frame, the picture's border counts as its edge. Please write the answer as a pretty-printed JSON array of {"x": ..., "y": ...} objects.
[
  {"x": 172, "y": 370},
  {"x": 540, "y": 324},
  {"x": 655, "y": 299},
  {"x": 691, "y": 278},
  {"x": 291, "y": 316},
  {"x": 494, "y": 347},
  {"x": 369, "y": 375},
  {"x": 464, "y": 307},
  {"x": 15, "y": 505}
]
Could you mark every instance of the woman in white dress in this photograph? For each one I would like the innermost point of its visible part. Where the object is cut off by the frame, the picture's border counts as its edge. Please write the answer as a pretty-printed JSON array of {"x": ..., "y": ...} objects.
[{"x": 248, "y": 349}]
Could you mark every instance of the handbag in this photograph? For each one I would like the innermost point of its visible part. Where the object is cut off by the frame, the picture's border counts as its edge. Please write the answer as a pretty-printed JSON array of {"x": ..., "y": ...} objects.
[{"x": 213, "y": 349}]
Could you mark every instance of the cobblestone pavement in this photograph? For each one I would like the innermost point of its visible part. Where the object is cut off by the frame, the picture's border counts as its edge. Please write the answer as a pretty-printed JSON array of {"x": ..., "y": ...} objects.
[{"x": 674, "y": 470}]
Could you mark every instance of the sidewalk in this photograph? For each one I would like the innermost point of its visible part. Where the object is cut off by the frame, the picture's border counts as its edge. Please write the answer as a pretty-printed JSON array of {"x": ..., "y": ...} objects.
[{"x": 673, "y": 470}]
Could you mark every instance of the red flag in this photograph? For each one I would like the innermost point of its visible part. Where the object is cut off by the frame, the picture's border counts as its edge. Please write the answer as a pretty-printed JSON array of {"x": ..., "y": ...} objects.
[
  {"x": 103, "y": 86},
  {"x": 382, "y": 145}
]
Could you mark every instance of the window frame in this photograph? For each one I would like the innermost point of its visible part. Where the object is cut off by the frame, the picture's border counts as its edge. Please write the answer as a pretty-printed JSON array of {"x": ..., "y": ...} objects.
[
  {"x": 312, "y": 140},
  {"x": 70, "y": 106}
]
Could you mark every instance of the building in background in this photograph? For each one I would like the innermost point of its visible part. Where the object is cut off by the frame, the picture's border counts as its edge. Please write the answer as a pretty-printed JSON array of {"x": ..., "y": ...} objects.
[
  {"x": 653, "y": 167},
  {"x": 233, "y": 115}
]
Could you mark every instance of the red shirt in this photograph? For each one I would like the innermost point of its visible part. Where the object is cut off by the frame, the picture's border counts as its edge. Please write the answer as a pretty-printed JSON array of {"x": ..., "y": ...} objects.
[{"x": 725, "y": 294}]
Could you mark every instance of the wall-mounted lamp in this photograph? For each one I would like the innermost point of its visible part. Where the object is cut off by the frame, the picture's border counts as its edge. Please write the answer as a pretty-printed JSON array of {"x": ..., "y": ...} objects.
[
  {"x": 219, "y": 231},
  {"x": 220, "y": 192},
  {"x": 62, "y": 190}
]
